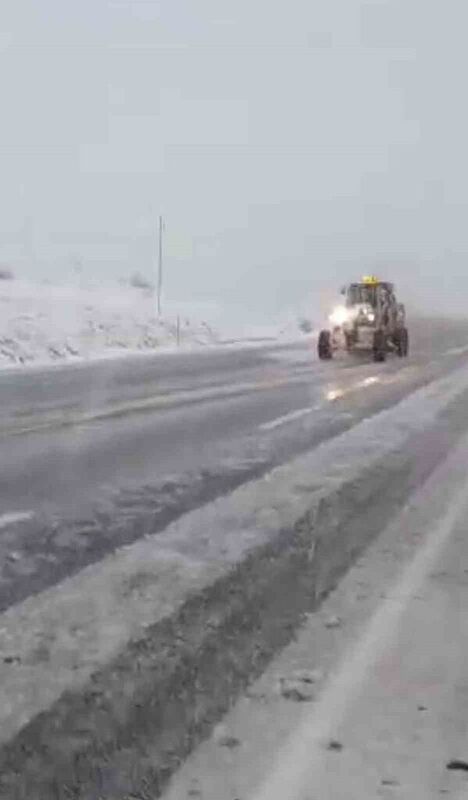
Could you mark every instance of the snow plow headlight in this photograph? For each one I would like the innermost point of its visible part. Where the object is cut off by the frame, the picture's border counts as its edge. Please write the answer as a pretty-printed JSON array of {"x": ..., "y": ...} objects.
[
  {"x": 339, "y": 316},
  {"x": 369, "y": 313}
]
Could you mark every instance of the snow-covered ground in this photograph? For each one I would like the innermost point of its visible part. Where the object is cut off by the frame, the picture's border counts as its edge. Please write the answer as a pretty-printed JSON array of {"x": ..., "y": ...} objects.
[
  {"x": 365, "y": 701},
  {"x": 42, "y": 323}
]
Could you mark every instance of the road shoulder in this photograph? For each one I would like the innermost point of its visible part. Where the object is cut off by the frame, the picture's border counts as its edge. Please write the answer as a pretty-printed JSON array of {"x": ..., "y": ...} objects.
[{"x": 371, "y": 699}]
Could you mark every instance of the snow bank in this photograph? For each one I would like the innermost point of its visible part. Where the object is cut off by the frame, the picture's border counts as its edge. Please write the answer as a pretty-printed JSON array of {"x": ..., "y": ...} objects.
[{"x": 42, "y": 323}]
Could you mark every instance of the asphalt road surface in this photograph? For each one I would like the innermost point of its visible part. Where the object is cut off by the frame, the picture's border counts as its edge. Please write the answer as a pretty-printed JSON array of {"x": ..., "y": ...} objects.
[
  {"x": 71, "y": 435},
  {"x": 117, "y": 449},
  {"x": 98, "y": 460},
  {"x": 370, "y": 700}
]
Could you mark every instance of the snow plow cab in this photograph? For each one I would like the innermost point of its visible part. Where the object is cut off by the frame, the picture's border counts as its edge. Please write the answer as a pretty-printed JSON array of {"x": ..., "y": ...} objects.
[{"x": 370, "y": 318}]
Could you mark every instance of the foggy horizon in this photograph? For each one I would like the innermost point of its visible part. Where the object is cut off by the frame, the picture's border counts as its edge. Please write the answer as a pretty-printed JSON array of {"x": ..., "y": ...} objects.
[{"x": 289, "y": 148}]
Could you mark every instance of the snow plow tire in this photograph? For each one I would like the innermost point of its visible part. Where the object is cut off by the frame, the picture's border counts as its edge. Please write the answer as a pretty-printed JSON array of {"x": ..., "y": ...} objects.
[
  {"x": 324, "y": 348},
  {"x": 403, "y": 343},
  {"x": 379, "y": 346}
]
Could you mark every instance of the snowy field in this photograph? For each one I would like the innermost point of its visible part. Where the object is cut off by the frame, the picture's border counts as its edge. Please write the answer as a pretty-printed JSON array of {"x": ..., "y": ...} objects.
[{"x": 41, "y": 323}]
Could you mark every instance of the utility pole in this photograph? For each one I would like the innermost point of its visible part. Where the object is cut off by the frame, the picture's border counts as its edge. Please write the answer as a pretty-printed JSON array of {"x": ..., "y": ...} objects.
[
  {"x": 28, "y": 242},
  {"x": 160, "y": 264}
]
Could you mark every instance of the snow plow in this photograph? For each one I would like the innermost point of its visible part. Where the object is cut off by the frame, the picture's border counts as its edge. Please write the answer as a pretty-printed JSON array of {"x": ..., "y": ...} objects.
[{"x": 370, "y": 319}]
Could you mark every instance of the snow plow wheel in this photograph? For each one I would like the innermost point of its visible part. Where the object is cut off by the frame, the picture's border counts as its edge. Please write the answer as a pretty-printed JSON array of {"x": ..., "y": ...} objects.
[
  {"x": 380, "y": 346},
  {"x": 324, "y": 348},
  {"x": 403, "y": 343}
]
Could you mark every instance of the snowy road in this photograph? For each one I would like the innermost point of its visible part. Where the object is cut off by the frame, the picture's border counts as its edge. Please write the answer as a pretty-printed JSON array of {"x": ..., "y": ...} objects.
[
  {"x": 371, "y": 698},
  {"x": 127, "y": 446},
  {"x": 163, "y": 540},
  {"x": 74, "y": 434}
]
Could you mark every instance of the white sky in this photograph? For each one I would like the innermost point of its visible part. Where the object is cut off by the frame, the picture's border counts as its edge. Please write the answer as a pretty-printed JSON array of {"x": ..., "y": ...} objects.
[{"x": 289, "y": 145}]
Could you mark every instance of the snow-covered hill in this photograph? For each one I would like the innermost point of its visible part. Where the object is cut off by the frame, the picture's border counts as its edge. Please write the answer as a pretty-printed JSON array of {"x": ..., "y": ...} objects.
[{"x": 42, "y": 323}]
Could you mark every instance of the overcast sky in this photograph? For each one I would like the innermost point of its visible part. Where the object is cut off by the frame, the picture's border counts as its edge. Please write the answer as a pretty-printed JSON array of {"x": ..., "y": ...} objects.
[{"x": 289, "y": 145}]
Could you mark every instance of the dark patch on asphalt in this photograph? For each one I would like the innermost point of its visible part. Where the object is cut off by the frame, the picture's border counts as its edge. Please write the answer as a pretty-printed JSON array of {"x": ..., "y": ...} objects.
[
  {"x": 296, "y": 694},
  {"x": 12, "y": 660},
  {"x": 231, "y": 742},
  {"x": 458, "y": 766},
  {"x": 335, "y": 746}
]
